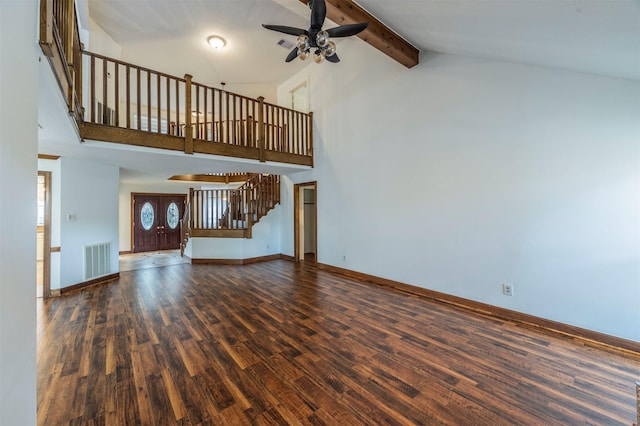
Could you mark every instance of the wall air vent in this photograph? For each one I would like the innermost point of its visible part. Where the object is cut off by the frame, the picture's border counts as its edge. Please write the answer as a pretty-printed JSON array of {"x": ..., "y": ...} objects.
[
  {"x": 97, "y": 260},
  {"x": 286, "y": 44}
]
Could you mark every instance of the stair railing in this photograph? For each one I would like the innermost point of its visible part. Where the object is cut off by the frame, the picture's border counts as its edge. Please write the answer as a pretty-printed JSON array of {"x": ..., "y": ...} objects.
[
  {"x": 185, "y": 228},
  {"x": 234, "y": 209}
]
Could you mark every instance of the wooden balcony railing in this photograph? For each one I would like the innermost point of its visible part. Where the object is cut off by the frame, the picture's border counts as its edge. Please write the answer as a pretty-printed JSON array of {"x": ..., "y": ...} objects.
[
  {"x": 60, "y": 42},
  {"x": 131, "y": 104}
]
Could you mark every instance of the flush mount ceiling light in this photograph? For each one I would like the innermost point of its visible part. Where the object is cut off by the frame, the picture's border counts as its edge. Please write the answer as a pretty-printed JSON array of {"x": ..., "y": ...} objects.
[{"x": 216, "y": 42}]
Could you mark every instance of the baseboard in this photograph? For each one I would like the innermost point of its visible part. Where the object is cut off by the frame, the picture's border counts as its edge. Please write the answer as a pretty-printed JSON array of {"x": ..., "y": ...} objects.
[
  {"x": 100, "y": 280},
  {"x": 287, "y": 257},
  {"x": 125, "y": 252},
  {"x": 570, "y": 331},
  {"x": 236, "y": 261}
]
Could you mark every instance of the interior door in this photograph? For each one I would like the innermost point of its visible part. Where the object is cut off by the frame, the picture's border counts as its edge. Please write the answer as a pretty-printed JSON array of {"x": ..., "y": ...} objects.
[{"x": 156, "y": 221}]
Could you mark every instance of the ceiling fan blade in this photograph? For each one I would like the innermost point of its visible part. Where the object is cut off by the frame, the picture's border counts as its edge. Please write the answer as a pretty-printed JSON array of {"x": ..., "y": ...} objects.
[
  {"x": 333, "y": 58},
  {"x": 318, "y": 13},
  {"x": 286, "y": 30},
  {"x": 347, "y": 30},
  {"x": 292, "y": 55}
]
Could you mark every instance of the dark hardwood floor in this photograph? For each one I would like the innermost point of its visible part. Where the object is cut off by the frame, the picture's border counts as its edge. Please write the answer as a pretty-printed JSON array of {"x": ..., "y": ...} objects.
[{"x": 279, "y": 343}]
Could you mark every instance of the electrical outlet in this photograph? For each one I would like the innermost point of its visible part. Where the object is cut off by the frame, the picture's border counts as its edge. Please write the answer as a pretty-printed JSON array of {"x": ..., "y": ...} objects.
[{"x": 507, "y": 289}]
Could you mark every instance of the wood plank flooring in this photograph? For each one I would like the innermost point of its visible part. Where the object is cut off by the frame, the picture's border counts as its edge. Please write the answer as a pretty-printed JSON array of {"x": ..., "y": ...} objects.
[{"x": 279, "y": 343}]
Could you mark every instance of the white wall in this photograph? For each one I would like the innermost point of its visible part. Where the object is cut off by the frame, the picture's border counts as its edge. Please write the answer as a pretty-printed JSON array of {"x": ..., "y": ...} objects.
[
  {"x": 18, "y": 170},
  {"x": 462, "y": 174},
  {"x": 265, "y": 241},
  {"x": 100, "y": 42},
  {"x": 90, "y": 193},
  {"x": 126, "y": 188},
  {"x": 53, "y": 166}
]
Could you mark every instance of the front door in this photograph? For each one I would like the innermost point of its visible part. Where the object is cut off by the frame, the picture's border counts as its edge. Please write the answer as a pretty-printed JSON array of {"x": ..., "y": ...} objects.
[{"x": 156, "y": 221}]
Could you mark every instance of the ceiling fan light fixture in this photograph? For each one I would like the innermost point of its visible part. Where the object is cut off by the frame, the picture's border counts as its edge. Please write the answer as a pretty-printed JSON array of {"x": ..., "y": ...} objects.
[
  {"x": 330, "y": 50},
  {"x": 315, "y": 37},
  {"x": 216, "y": 42},
  {"x": 318, "y": 57},
  {"x": 302, "y": 43},
  {"x": 322, "y": 39},
  {"x": 303, "y": 55}
]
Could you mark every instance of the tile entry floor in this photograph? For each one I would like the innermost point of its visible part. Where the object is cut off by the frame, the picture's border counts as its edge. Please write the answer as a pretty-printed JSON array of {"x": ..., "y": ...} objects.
[{"x": 151, "y": 259}]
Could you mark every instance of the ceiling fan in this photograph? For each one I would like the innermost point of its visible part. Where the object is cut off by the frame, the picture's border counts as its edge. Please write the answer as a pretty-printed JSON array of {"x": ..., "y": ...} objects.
[{"x": 315, "y": 37}]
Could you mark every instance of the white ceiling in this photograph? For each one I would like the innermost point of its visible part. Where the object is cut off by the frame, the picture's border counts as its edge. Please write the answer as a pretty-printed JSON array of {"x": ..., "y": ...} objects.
[{"x": 593, "y": 36}]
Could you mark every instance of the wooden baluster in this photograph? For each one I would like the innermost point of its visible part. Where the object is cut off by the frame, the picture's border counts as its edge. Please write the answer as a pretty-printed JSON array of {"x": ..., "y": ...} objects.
[
  {"x": 138, "y": 96},
  {"x": 70, "y": 24},
  {"x": 148, "y": 101},
  {"x": 261, "y": 132},
  {"x": 310, "y": 142},
  {"x": 227, "y": 118},
  {"x": 116, "y": 96},
  {"x": 188, "y": 135},
  {"x": 242, "y": 123},
  {"x": 128, "y": 97},
  {"x": 272, "y": 122},
  {"x": 159, "y": 103},
  {"x": 220, "y": 117},
  {"x": 301, "y": 133},
  {"x": 233, "y": 123},
  {"x": 105, "y": 92},
  {"x": 93, "y": 89},
  {"x": 169, "y": 102},
  {"x": 191, "y": 203},
  {"x": 197, "y": 110},
  {"x": 254, "y": 135},
  {"x": 178, "y": 107}
]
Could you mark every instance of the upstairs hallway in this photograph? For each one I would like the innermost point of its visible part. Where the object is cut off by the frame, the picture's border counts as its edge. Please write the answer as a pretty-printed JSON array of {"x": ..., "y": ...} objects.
[{"x": 120, "y": 102}]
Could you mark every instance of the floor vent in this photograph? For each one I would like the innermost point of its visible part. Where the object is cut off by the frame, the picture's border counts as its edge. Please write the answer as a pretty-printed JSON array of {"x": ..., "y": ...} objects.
[{"x": 97, "y": 260}]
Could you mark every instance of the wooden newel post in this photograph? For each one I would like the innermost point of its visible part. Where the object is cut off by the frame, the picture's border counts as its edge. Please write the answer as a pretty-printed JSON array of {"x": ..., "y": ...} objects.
[
  {"x": 78, "y": 82},
  {"x": 310, "y": 145},
  {"x": 188, "y": 128},
  {"x": 191, "y": 202},
  {"x": 46, "y": 27},
  {"x": 261, "y": 128}
]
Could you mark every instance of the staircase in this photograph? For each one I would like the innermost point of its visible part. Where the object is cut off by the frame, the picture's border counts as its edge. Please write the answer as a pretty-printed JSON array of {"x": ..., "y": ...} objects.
[{"x": 229, "y": 213}]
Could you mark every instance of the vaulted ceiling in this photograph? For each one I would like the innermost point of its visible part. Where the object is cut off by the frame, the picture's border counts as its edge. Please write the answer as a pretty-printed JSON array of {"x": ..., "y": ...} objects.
[{"x": 594, "y": 36}]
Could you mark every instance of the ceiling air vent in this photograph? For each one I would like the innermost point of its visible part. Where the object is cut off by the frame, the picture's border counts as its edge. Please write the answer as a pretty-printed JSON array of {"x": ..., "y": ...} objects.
[{"x": 285, "y": 43}]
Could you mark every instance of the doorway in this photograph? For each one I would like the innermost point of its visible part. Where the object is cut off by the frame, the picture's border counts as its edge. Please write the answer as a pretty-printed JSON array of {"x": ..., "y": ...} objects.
[
  {"x": 305, "y": 222},
  {"x": 43, "y": 235},
  {"x": 155, "y": 221}
]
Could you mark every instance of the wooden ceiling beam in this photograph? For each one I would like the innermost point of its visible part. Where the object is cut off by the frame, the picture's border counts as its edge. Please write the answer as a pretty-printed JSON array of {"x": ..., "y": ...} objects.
[{"x": 377, "y": 34}]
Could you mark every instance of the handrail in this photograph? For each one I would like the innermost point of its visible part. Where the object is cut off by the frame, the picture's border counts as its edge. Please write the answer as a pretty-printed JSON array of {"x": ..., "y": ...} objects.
[
  {"x": 129, "y": 96},
  {"x": 177, "y": 113},
  {"x": 234, "y": 209}
]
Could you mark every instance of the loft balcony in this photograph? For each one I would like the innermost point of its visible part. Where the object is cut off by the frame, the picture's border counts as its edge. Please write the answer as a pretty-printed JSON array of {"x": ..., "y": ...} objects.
[{"x": 119, "y": 102}]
